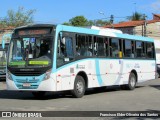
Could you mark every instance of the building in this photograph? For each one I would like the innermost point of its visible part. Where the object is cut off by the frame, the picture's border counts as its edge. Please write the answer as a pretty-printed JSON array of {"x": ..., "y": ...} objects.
[
  {"x": 152, "y": 28},
  {"x": 5, "y": 30}
]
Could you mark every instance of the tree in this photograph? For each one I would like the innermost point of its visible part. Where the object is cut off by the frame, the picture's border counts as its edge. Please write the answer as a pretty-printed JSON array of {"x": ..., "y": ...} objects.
[
  {"x": 90, "y": 22},
  {"x": 78, "y": 21},
  {"x": 136, "y": 16},
  {"x": 82, "y": 21},
  {"x": 18, "y": 18},
  {"x": 101, "y": 23},
  {"x": 66, "y": 23}
]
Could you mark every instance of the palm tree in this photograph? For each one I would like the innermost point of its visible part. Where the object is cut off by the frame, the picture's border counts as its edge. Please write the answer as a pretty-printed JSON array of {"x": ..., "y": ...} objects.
[{"x": 136, "y": 16}]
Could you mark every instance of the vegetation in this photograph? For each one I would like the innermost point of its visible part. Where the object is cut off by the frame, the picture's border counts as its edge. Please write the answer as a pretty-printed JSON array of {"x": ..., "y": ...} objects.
[
  {"x": 17, "y": 18},
  {"x": 82, "y": 21},
  {"x": 22, "y": 17},
  {"x": 136, "y": 16},
  {"x": 78, "y": 21}
]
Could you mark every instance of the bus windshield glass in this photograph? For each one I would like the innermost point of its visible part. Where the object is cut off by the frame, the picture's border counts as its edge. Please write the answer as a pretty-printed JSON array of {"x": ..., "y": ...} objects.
[
  {"x": 31, "y": 52},
  {"x": 2, "y": 58}
]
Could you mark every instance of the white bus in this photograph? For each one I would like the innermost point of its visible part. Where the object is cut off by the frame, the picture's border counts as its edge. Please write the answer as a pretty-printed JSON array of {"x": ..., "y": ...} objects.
[
  {"x": 157, "y": 51},
  {"x": 3, "y": 51},
  {"x": 45, "y": 58}
]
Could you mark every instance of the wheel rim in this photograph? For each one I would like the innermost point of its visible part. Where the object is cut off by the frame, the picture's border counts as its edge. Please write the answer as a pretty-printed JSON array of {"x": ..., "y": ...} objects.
[
  {"x": 133, "y": 81},
  {"x": 79, "y": 87}
]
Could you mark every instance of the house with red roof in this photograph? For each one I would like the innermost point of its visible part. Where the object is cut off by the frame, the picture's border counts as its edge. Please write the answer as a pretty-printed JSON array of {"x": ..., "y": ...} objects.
[{"x": 138, "y": 27}]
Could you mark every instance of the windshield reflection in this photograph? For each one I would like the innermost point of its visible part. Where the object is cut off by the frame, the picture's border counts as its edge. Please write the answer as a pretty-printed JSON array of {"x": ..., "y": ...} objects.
[
  {"x": 2, "y": 58},
  {"x": 31, "y": 51}
]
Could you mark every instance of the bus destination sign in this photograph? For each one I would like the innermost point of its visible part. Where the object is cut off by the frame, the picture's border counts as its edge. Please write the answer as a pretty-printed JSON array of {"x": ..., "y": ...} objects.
[{"x": 33, "y": 32}]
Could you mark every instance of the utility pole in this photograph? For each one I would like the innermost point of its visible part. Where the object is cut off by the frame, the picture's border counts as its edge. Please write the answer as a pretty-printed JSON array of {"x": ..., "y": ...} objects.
[
  {"x": 111, "y": 20},
  {"x": 142, "y": 30},
  {"x": 145, "y": 25}
]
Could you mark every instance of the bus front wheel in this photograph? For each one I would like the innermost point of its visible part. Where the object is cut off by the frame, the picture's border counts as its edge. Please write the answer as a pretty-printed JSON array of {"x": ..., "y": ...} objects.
[{"x": 79, "y": 87}]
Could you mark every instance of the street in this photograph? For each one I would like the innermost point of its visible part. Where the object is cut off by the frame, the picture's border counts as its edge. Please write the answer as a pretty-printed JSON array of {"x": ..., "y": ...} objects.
[{"x": 146, "y": 97}]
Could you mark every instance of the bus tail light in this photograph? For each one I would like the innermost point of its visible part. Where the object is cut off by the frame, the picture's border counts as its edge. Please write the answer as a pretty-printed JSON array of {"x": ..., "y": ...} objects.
[
  {"x": 9, "y": 76},
  {"x": 47, "y": 74}
]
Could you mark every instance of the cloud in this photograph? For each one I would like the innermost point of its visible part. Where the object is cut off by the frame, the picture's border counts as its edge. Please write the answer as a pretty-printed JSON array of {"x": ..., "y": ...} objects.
[{"x": 155, "y": 5}]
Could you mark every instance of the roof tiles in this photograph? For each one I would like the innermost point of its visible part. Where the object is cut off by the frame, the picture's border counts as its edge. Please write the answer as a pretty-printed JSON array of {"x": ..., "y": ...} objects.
[{"x": 131, "y": 23}]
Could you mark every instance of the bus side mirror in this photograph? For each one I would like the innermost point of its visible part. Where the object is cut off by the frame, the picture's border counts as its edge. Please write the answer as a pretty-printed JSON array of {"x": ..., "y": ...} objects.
[{"x": 120, "y": 54}]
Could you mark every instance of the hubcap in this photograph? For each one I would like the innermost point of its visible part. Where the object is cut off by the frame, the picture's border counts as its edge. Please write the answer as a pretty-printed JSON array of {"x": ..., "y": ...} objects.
[
  {"x": 133, "y": 81},
  {"x": 79, "y": 87}
]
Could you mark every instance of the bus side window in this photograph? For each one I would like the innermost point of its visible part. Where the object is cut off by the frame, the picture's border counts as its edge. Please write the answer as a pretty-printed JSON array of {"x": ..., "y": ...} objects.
[
  {"x": 89, "y": 50},
  {"x": 106, "y": 47},
  {"x": 84, "y": 45},
  {"x": 95, "y": 45},
  {"x": 140, "y": 49},
  {"x": 101, "y": 46},
  {"x": 149, "y": 50},
  {"x": 133, "y": 49},
  {"x": 80, "y": 45},
  {"x": 110, "y": 47},
  {"x": 128, "y": 49},
  {"x": 69, "y": 47},
  {"x": 114, "y": 47}
]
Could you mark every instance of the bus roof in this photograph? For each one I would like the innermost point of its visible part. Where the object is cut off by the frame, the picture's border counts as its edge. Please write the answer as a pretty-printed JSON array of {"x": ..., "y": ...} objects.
[
  {"x": 104, "y": 32},
  {"x": 92, "y": 31}
]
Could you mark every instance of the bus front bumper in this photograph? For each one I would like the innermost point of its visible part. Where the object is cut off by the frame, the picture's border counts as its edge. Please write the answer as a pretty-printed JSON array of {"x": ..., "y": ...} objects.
[{"x": 45, "y": 85}]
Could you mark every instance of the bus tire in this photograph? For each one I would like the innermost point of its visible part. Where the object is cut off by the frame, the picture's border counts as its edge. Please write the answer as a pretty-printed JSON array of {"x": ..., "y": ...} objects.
[
  {"x": 131, "y": 82},
  {"x": 79, "y": 87},
  {"x": 39, "y": 94}
]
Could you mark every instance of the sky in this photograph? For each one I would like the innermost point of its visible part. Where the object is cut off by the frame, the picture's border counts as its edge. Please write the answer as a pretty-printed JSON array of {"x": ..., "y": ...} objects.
[{"x": 60, "y": 11}]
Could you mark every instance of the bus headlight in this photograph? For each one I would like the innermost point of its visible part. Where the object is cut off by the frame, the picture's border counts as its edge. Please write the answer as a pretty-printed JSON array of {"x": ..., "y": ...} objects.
[
  {"x": 47, "y": 74},
  {"x": 9, "y": 76}
]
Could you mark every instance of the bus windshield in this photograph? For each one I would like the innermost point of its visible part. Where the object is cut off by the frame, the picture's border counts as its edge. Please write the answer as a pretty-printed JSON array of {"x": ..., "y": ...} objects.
[
  {"x": 2, "y": 58},
  {"x": 30, "y": 52}
]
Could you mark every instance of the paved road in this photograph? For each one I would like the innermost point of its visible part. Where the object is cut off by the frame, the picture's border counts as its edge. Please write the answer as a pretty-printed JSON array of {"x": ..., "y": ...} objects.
[{"x": 146, "y": 97}]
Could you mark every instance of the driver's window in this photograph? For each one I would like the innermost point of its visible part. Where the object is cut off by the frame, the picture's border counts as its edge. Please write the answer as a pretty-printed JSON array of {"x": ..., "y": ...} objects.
[{"x": 65, "y": 49}]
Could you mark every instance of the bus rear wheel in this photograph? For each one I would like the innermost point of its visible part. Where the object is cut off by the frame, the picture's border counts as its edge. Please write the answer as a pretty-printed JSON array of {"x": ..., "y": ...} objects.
[
  {"x": 39, "y": 94},
  {"x": 131, "y": 83},
  {"x": 79, "y": 87}
]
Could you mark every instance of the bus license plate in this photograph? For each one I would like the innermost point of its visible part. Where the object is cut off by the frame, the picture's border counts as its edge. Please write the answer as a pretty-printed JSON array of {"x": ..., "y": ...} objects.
[{"x": 26, "y": 84}]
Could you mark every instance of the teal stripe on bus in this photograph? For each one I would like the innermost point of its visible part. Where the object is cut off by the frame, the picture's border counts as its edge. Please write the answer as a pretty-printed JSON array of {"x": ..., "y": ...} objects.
[{"x": 100, "y": 81}]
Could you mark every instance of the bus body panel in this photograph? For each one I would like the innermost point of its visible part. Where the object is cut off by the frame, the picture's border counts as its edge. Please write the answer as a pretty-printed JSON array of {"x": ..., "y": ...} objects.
[{"x": 114, "y": 72}]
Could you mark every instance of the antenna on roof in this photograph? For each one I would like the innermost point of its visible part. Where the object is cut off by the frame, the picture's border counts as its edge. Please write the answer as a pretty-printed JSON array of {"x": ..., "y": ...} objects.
[{"x": 135, "y": 7}]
